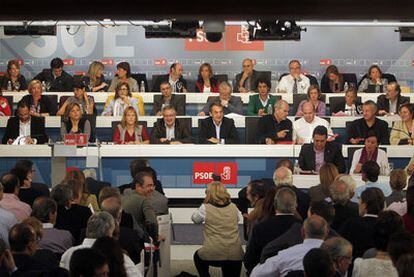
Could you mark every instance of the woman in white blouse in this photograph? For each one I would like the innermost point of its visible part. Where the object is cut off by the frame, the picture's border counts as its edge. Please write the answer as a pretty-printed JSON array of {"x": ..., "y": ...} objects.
[
  {"x": 122, "y": 100},
  {"x": 370, "y": 152}
]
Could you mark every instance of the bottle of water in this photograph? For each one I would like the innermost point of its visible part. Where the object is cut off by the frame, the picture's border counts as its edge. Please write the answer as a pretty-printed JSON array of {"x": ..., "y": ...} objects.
[
  {"x": 346, "y": 86},
  {"x": 269, "y": 109},
  {"x": 142, "y": 87},
  {"x": 9, "y": 86},
  {"x": 296, "y": 168},
  {"x": 43, "y": 86}
]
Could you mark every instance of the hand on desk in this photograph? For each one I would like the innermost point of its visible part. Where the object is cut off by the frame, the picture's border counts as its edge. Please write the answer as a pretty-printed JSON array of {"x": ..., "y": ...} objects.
[{"x": 214, "y": 140}]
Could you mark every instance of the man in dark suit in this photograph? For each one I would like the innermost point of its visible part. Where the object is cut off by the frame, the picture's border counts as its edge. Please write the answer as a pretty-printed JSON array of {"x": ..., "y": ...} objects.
[
  {"x": 358, "y": 129},
  {"x": 93, "y": 185},
  {"x": 344, "y": 208},
  {"x": 216, "y": 128},
  {"x": 169, "y": 129},
  {"x": 32, "y": 128},
  {"x": 247, "y": 79},
  {"x": 390, "y": 102},
  {"x": 175, "y": 78},
  {"x": 271, "y": 228},
  {"x": 230, "y": 103},
  {"x": 168, "y": 99},
  {"x": 56, "y": 77},
  {"x": 313, "y": 155}
]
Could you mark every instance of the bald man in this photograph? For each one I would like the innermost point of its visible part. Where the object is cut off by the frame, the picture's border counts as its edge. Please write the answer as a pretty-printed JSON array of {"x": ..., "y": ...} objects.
[
  {"x": 246, "y": 80},
  {"x": 303, "y": 127}
]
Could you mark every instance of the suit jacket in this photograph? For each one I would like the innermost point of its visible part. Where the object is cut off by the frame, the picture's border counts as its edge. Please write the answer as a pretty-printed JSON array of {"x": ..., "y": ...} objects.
[
  {"x": 228, "y": 131},
  {"x": 332, "y": 154},
  {"x": 384, "y": 104},
  {"x": 268, "y": 127},
  {"x": 359, "y": 129},
  {"x": 181, "y": 132},
  {"x": 253, "y": 80},
  {"x": 42, "y": 188},
  {"x": 62, "y": 83},
  {"x": 73, "y": 220},
  {"x": 164, "y": 78},
  {"x": 177, "y": 102},
  {"x": 235, "y": 105},
  {"x": 343, "y": 213},
  {"x": 37, "y": 129},
  {"x": 46, "y": 105},
  {"x": 132, "y": 241},
  {"x": 255, "y": 104}
]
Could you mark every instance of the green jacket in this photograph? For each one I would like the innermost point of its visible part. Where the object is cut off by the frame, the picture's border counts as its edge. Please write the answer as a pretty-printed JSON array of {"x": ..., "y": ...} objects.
[{"x": 255, "y": 104}]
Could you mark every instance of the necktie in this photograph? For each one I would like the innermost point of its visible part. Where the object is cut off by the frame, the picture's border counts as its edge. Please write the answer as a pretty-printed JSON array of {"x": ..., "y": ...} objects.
[{"x": 295, "y": 86}]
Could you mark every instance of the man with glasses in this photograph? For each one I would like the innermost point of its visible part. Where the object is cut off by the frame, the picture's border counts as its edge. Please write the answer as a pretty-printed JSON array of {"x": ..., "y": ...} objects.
[
  {"x": 295, "y": 81},
  {"x": 168, "y": 99}
]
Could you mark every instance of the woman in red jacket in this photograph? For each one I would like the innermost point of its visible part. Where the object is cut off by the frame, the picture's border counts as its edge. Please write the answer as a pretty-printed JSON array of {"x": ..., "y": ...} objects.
[
  {"x": 206, "y": 82},
  {"x": 129, "y": 131}
]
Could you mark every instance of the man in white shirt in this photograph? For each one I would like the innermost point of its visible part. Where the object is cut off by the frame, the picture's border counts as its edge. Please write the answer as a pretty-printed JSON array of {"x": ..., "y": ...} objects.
[
  {"x": 315, "y": 231},
  {"x": 303, "y": 127},
  {"x": 294, "y": 82}
]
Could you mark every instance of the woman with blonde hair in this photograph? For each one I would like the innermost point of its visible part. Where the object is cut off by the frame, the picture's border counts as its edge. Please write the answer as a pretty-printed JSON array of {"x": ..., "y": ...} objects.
[
  {"x": 327, "y": 175},
  {"x": 40, "y": 105},
  {"x": 221, "y": 247},
  {"x": 74, "y": 122},
  {"x": 95, "y": 79},
  {"x": 129, "y": 131}
]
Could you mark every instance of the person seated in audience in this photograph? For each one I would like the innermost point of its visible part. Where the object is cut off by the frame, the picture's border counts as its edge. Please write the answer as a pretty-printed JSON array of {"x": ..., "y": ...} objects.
[
  {"x": 262, "y": 103},
  {"x": 88, "y": 262},
  {"x": 7, "y": 220},
  {"x": 315, "y": 231},
  {"x": 12, "y": 77},
  {"x": 350, "y": 106},
  {"x": 398, "y": 182},
  {"x": 86, "y": 198},
  {"x": 10, "y": 200},
  {"x": 370, "y": 152},
  {"x": 390, "y": 103},
  {"x": 340, "y": 193},
  {"x": 174, "y": 77},
  {"x": 303, "y": 127},
  {"x": 360, "y": 230},
  {"x": 332, "y": 81},
  {"x": 285, "y": 205},
  {"x": 313, "y": 155},
  {"x": 230, "y": 103},
  {"x": 122, "y": 100},
  {"x": 276, "y": 127},
  {"x": 370, "y": 171},
  {"x": 168, "y": 99},
  {"x": 70, "y": 216},
  {"x": 55, "y": 78},
  {"x": 220, "y": 249},
  {"x": 206, "y": 81},
  {"x": 81, "y": 97},
  {"x": 95, "y": 79},
  {"x": 408, "y": 218},
  {"x": 28, "y": 129},
  {"x": 39, "y": 105},
  {"x": 327, "y": 175},
  {"x": 100, "y": 224},
  {"x": 113, "y": 192},
  {"x": 217, "y": 129},
  {"x": 318, "y": 263},
  {"x": 42, "y": 188},
  {"x": 340, "y": 251},
  {"x": 295, "y": 81},
  {"x": 55, "y": 240},
  {"x": 380, "y": 264},
  {"x": 129, "y": 131},
  {"x": 246, "y": 80},
  {"x": 358, "y": 129},
  {"x": 402, "y": 133},
  {"x": 7, "y": 264},
  {"x": 404, "y": 265},
  {"x": 400, "y": 245},
  {"x": 314, "y": 97},
  {"x": 169, "y": 129},
  {"x": 5, "y": 108},
  {"x": 374, "y": 78},
  {"x": 27, "y": 194},
  {"x": 74, "y": 122},
  {"x": 93, "y": 185},
  {"x": 123, "y": 75}
]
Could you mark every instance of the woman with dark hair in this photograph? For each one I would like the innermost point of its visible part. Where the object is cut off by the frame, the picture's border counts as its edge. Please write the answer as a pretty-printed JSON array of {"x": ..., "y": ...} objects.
[
  {"x": 332, "y": 81},
  {"x": 74, "y": 122},
  {"x": 206, "y": 82},
  {"x": 402, "y": 133},
  {"x": 123, "y": 99},
  {"x": 123, "y": 75},
  {"x": 114, "y": 255},
  {"x": 13, "y": 80},
  {"x": 374, "y": 78},
  {"x": 39, "y": 104},
  {"x": 314, "y": 96},
  {"x": 27, "y": 194}
]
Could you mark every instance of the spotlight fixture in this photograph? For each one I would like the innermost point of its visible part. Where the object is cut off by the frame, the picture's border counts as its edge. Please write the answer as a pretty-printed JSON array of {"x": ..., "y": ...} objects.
[
  {"x": 214, "y": 29},
  {"x": 177, "y": 29},
  {"x": 274, "y": 30}
]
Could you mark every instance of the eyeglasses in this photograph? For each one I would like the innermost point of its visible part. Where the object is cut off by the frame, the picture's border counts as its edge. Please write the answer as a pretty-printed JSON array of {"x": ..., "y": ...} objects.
[{"x": 123, "y": 89}]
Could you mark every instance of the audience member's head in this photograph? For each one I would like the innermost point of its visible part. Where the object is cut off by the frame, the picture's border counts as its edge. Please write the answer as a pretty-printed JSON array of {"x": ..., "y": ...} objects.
[
  {"x": 255, "y": 191},
  {"x": 285, "y": 201},
  {"x": 285, "y": 163},
  {"x": 340, "y": 251},
  {"x": 369, "y": 109},
  {"x": 10, "y": 183},
  {"x": 88, "y": 262},
  {"x": 114, "y": 255},
  {"x": 398, "y": 179},
  {"x": 327, "y": 175},
  {"x": 350, "y": 181},
  {"x": 318, "y": 263},
  {"x": 90, "y": 173},
  {"x": 283, "y": 177},
  {"x": 100, "y": 224},
  {"x": 112, "y": 205},
  {"x": 370, "y": 171},
  {"x": 259, "y": 194},
  {"x": 323, "y": 209},
  {"x": 62, "y": 194},
  {"x": 22, "y": 239},
  {"x": 315, "y": 227},
  {"x": 77, "y": 189},
  {"x": 400, "y": 244},
  {"x": 320, "y": 137},
  {"x": 45, "y": 209},
  {"x": 108, "y": 192},
  {"x": 36, "y": 225},
  {"x": 217, "y": 194},
  {"x": 389, "y": 223},
  {"x": 143, "y": 183},
  {"x": 372, "y": 201},
  {"x": 405, "y": 265},
  {"x": 135, "y": 165},
  {"x": 340, "y": 192}
]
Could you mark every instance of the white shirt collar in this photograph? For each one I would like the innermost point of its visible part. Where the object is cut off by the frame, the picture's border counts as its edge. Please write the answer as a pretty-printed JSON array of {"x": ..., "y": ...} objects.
[{"x": 47, "y": 225}]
